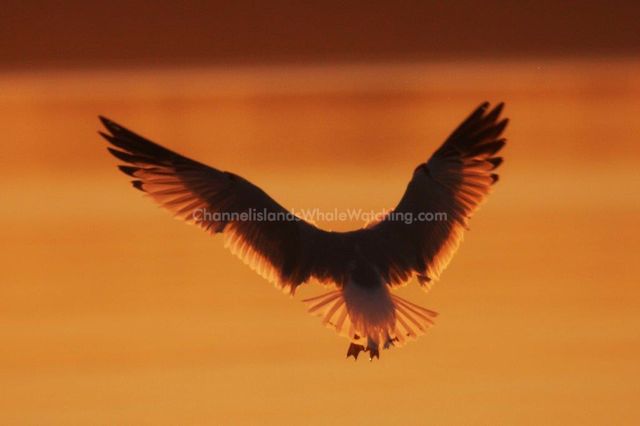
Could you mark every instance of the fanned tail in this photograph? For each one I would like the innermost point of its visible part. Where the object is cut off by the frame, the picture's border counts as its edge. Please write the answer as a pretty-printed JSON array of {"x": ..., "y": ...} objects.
[
  {"x": 332, "y": 310},
  {"x": 367, "y": 332},
  {"x": 411, "y": 320}
]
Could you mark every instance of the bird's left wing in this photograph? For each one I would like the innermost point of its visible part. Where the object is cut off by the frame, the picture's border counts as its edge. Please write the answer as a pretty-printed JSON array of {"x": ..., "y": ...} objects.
[{"x": 275, "y": 243}]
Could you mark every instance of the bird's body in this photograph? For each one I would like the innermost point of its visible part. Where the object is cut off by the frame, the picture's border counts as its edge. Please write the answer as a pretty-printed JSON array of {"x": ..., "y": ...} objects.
[{"x": 362, "y": 265}]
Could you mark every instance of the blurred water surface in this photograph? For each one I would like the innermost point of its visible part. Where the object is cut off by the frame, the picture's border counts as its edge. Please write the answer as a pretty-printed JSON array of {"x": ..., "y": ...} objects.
[{"x": 113, "y": 313}]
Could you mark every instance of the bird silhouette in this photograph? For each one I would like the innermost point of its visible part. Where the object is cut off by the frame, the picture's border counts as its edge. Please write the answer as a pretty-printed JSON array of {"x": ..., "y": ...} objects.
[{"x": 360, "y": 266}]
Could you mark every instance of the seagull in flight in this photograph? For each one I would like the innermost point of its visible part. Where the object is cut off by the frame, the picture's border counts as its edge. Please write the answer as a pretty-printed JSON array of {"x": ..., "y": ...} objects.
[{"x": 360, "y": 267}]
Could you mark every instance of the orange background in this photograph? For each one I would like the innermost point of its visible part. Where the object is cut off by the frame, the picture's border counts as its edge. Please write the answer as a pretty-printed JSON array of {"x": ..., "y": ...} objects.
[{"x": 113, "y": 313}]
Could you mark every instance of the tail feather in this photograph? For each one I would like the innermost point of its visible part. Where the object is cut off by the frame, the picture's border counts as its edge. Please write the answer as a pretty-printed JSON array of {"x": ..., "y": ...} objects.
[
  {"x": 408, "y": 321},
  {"x": 322, "y": 301},
  {"x": 425, "y": 313},
  {"x": 332, "y": 310}
]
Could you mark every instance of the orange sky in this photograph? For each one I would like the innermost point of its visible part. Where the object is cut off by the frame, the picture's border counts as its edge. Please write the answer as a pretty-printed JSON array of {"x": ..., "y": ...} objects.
[{"x": 113, "y": 313}]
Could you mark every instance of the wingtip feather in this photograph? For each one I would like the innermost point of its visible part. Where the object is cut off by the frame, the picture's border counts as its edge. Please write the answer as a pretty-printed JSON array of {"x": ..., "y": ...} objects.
[
  {"x": 121, "y": 155},
  {"x": 137, "y": 184},
  {"x": 128, "y": 170},
  {"x": 495, "y": 162},
  {"x": 108, "y": 124}
]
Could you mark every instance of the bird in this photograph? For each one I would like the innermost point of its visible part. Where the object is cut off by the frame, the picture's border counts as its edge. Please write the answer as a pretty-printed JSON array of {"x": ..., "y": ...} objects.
[{"x": 360, "y": 268}]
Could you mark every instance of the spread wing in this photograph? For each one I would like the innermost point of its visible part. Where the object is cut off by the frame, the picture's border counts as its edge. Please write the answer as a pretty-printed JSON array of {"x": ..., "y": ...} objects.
[
  {"x": 289, "y": 251},
  {"x": 279, "y": 246},
  {"x": 454, "y": 182}
]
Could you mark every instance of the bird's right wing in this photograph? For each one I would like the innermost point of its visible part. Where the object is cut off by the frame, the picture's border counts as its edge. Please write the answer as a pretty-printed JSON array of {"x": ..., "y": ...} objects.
[
  {"x": 278, "y": 245},
  {"x": 412, "y": 239}
]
